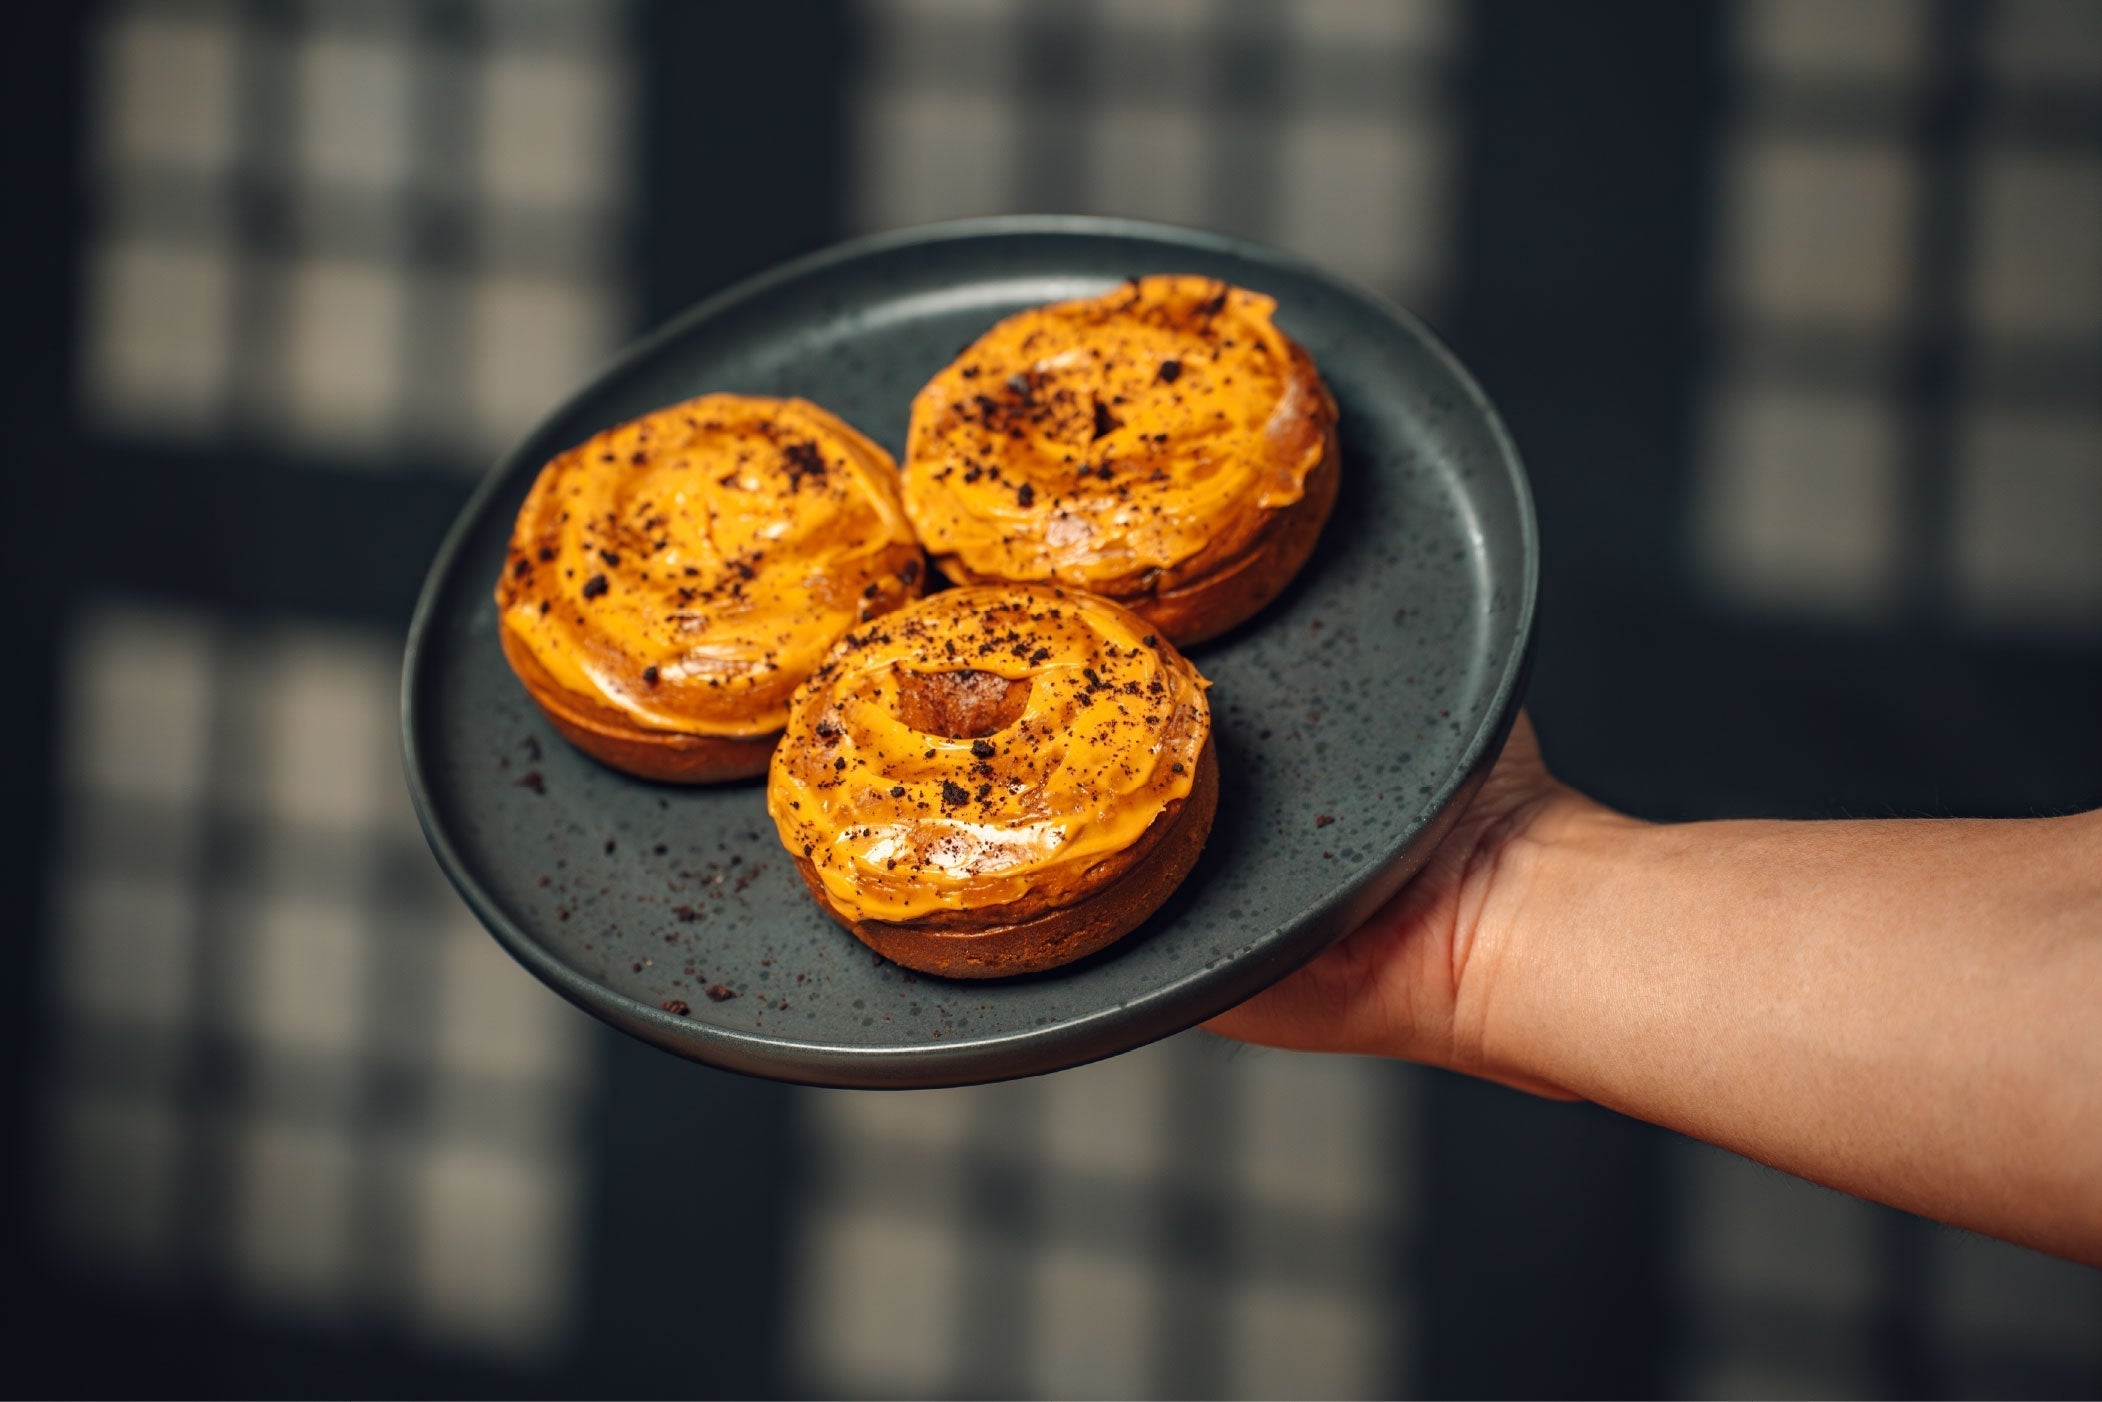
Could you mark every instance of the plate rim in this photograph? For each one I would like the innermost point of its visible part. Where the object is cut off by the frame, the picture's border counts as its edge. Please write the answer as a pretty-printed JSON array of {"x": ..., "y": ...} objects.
[{"x": 1013, "y": 1054}]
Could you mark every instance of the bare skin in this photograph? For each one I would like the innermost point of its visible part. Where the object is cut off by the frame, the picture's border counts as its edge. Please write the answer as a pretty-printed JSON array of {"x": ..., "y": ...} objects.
[{"x": 1909, "y": 1011}]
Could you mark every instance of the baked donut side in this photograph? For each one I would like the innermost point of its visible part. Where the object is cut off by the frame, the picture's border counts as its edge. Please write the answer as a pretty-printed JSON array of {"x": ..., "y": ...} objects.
[
  {"x": 1198, "y": 611},
  {"x": 666, "y": 756},
  {"x": 1027, "y": 938},
  {"x": 673, "y": 579},
  {"x": 997, "y": 779},
  {"x": 1164, "y": 445}
]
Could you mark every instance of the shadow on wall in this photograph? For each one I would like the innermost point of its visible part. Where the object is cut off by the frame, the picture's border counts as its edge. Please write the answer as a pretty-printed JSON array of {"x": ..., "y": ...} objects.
[{"x": 286, "y": 1102}]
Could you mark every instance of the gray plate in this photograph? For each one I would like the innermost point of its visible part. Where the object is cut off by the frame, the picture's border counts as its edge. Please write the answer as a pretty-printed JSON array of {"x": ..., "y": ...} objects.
[{"x": 1353, "y": 716}]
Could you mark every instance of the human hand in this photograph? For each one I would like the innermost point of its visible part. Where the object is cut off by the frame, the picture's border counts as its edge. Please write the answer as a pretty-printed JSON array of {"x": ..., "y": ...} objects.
[
  {"x": 1417, "y": 980},
  {"x": 1897, "y": 1009}
]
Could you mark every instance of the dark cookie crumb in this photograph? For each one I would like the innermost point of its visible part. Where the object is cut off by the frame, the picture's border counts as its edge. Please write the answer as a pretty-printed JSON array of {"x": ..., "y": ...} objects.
[
  {"x": 717, "y": 993},
  {"x": 675, "y": 1006},
  {"x": 531, "y": 780},
  {"x": 1105, "y": 421},
  {"x": 1324, "y": 820}
]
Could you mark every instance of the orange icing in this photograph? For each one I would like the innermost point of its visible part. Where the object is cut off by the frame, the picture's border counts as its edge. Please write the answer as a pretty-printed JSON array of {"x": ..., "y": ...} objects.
[
  {"x": 1116, "y": 443},
  {"x": 901, "y": 823},
  {"x": 692, "y": 567}
]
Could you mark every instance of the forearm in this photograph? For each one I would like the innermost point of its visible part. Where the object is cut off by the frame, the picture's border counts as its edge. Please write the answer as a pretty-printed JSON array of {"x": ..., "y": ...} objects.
[{"x": 1909, "y": 1011}]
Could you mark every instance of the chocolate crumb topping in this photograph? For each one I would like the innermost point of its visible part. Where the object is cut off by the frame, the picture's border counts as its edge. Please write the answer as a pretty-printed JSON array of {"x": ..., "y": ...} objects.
[
  {"x": 804, "y": 460},
  {"x": 1105, "y": 421}
]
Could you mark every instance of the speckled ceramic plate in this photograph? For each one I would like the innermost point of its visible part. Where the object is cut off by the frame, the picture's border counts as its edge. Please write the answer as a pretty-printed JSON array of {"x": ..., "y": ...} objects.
[{"x": 1353, "y": 716}]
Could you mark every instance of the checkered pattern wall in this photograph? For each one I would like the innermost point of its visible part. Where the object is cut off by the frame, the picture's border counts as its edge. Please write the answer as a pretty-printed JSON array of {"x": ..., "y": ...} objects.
[
  {"x": 1323, "y": 126},
  {"x": 1904, "y": 415},
  {"x": 369, "y": 232},
  {"x": 288, "y": 1067},
  {"x": 1186, "y": 1220},
  {"x": 285, "y": 1068}
]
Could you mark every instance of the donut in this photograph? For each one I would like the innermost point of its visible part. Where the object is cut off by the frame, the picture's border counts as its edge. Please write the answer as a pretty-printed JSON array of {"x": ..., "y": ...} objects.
[
  {"x": 672, "y": 581},
  {"x": 997, "y": 779},
  {"x": 1163, "y": 445}
]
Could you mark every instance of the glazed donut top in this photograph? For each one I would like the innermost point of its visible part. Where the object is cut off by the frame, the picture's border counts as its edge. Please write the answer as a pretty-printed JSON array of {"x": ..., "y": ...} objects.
[
  {"x": 692, "y": 567},
  {"x": 1099, "y": 728},
  {"x": 1099, "y": 442}
]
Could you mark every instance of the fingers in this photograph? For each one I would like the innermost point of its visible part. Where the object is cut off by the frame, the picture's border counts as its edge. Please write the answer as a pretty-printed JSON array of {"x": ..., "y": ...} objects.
[
  {"x": 1283, "y": 1015},
  {"x": 1344, "y": 1001},
  {"x": 1389, "y": 987}
]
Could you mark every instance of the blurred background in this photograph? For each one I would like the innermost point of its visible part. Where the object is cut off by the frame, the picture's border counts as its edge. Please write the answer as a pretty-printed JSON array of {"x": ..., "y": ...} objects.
[{"x": 1794, "y": 306}]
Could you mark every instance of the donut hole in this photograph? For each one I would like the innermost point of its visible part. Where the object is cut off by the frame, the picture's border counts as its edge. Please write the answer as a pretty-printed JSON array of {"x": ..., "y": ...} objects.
[{"x": 961, "y": 705}]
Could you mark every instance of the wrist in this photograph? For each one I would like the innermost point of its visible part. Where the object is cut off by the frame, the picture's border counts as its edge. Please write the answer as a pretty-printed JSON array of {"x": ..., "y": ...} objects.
[{"x": 1543, "y": 886}]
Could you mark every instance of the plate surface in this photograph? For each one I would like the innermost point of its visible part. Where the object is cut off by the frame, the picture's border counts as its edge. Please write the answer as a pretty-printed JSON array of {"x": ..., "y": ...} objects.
[{"x": 1353, "y": 717}]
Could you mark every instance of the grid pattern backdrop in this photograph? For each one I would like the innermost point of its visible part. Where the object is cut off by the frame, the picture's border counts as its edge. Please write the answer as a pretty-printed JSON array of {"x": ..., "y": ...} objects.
[
  {"x": 338, "y": 255},
  {"x": 1905, "y": 411},
  {"x": 385, "y": 233},
  {"x": 284, "y": 1064}
]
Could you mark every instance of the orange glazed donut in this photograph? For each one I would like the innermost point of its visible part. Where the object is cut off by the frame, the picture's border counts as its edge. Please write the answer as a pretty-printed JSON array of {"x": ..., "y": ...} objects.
[
  {"x": 997, "y": 779},
  {"x": 673, "y": 580},
  {"x": 1163, "y": 445}
]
